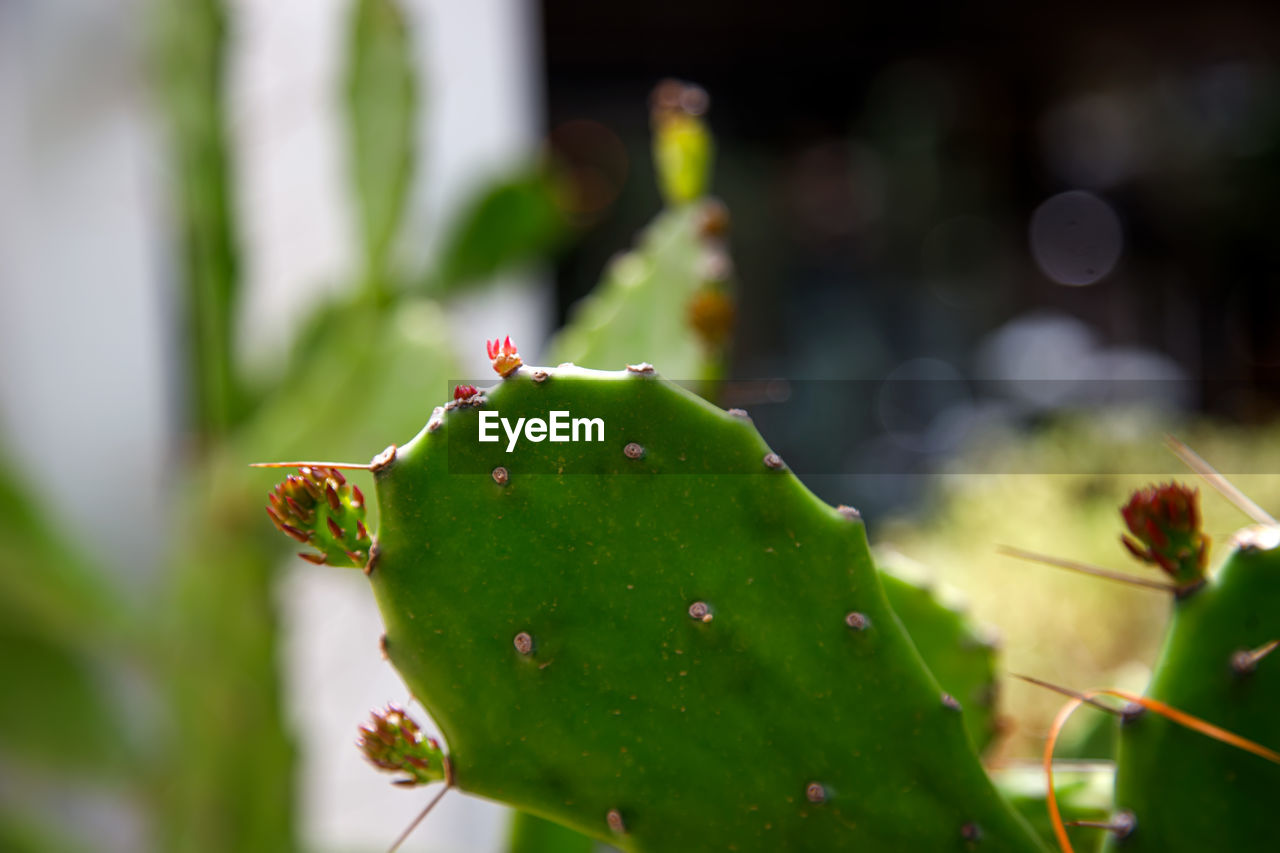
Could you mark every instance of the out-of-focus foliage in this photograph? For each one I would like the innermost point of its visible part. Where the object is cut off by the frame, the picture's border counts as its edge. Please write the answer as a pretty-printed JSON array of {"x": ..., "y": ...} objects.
[
  {"x": 669, "y": 298},
  {"x": 381, "y": 115},
  {"x": 642, "y": 305},
  {"x": 1082, "y": 795},
  {"x": 59, "y": 626},
  {"x": 1070, "y": 629},
  {"x": 511, "y": 222},
  {"x": 363, "y": 373},
  {"x": 190, "y": 39}
]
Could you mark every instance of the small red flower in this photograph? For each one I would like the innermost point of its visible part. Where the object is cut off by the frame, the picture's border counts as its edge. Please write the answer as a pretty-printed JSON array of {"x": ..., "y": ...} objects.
[
  {"x": 1164, "y": 521},
  {"x": 464, "y": 392},
  {"x": 504, "y": 356}
]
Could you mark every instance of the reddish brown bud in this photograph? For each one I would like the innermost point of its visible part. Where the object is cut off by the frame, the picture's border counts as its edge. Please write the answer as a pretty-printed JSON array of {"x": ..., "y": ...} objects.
[
  {"x": 393, "y": 742},
  {"x": 292, "y": 508},
  {"x": 463, "y": 392},
  {"x": 1164, "y": 523}
]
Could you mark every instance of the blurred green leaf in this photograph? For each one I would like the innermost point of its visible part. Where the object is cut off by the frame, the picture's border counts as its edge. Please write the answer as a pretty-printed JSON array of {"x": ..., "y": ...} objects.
[
  {"x": 363, "y": 375},
  {"x": 190, "y": 42},
  {"x": 20, "y": 832},
  {"x": 46, "y": 585},
  {"x": 226, "y": 774},
  {"x": 381, "y": 113},
  {"x": 513, "y": 221},
  {"x": 640, "y": 311},
  {"x": 59, "y": 713},
  {"x": 60, "y": 621}
]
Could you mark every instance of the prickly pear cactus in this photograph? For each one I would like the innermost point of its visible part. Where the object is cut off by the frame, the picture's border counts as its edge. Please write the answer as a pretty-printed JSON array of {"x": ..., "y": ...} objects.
[
  {"x": 959, "y": 654},
  {"x": 673, "y": 292},
  {"x": 1187, "y": 791},
  {"x": 661, "y": 638}
]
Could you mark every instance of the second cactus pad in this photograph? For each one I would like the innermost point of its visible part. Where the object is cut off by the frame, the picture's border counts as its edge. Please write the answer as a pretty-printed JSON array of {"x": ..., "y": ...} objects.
[
  {"x": 662, "y": 638},
  {"x": 1215, "y": 665}
]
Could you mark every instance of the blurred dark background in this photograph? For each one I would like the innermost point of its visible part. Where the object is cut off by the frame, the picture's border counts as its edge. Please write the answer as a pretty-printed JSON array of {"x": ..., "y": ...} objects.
[
  {"x": 937, "y": 193},
  {"x": 883, "y": 162}
]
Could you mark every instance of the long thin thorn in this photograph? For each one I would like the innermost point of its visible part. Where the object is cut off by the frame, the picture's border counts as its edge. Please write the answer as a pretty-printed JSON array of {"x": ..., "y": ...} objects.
[
  {"x": 1196, "y": 724},
  {"x": 1156, "y": 707},
  {"x": 1074, "y": 694},
  {"x": 408, "y": 830},
  {"x": 1086, "y": 569},
  {"x": 1228, "y": 490},
  {"x": 349, "y": 466}
]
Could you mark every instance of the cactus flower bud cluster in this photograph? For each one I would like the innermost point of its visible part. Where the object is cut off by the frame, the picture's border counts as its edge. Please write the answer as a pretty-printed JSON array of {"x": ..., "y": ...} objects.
[
  {"x": 393, "y": 742},
  {"x": 1164, "y": 521},
  {"x": 318, "y": 507}
]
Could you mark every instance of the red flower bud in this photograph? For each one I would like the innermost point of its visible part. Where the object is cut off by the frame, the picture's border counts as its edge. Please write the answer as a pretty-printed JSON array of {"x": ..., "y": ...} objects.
[
  {"x": 504, "y": 356},
  {"x": 1164, "y": 523},
  {"x": 393, "y": 742}
]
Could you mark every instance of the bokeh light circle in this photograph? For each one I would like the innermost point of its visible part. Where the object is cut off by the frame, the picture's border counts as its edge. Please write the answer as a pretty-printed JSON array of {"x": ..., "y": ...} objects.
[{"x": 1076, "y": 238}]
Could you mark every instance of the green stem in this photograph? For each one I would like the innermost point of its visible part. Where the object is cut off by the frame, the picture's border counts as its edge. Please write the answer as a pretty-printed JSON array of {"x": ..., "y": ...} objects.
[{"x": 190, "y": 54}]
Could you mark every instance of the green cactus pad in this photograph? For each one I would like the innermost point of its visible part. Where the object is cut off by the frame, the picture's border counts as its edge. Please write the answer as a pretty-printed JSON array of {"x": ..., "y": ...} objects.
[
  {"x": 645, "y": 300},
  {"x": 961, "y": 656},
  {"x": 1188, "y": 791},
  {"x": 531, "y": 834},
  {"x": 663, "y": 639}
]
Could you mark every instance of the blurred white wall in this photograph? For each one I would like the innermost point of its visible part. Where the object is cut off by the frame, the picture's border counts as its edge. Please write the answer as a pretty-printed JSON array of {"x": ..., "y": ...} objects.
[
  {"x": 87, "y": 302},
  {"x": 83, "y": 393}
]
